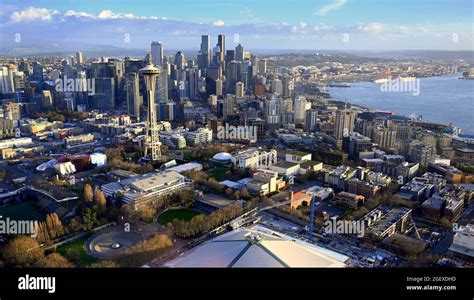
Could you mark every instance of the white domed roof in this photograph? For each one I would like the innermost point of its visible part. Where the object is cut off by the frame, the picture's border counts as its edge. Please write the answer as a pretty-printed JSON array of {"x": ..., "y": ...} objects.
[{"x": 223, "y": 156}]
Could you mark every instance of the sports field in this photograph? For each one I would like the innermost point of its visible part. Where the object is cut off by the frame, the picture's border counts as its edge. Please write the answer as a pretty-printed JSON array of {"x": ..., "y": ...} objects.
[
  {"x": 83, "y": 259},
  {"x": 218, "y": 173},
  {"x": 180, "y": 214},
  {"x": 22, "y": 211}
]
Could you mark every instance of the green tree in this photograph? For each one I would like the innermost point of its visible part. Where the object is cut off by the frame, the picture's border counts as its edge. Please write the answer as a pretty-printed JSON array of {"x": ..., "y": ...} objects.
[{"x": 89, "y": 218}]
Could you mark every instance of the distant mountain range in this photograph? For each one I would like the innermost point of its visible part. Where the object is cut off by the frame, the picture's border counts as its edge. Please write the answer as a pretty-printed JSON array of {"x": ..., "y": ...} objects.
[{"x": 55, "y": 49}]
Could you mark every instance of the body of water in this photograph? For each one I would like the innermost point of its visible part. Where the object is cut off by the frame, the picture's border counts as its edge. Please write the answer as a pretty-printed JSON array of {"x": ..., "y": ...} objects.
[{"x": 443, "y": 99}]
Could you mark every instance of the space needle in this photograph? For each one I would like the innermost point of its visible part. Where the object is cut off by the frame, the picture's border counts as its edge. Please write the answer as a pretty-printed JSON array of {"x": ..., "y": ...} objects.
[{"x": 152, "y": 140}]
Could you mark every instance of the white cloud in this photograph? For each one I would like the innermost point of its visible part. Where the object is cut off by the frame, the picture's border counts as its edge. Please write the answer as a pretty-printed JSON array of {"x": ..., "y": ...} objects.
[
  {"x": 403, "y": 29},
  {"x": 334, "y": 5},
  {"x": 44, "y": 14},
  {"x": 218, "y": 23},
  {"x": 371, "y": 27},
  {"x": 32, "y": 13},
  {"x": 78, "y": 14},
  {"x": 423, "y": 29},
  {"x": 108, "y": 14}
]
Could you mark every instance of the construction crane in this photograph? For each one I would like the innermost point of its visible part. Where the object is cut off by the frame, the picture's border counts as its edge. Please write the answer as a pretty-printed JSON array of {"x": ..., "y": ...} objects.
[
  {"x": 416, "y": 229},
  {"x": 311, "y": 214}
]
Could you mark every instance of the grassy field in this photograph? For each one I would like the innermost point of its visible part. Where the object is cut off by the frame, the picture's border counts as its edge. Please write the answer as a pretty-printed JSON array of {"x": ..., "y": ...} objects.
[
  {"x": 83, "y": 259},
  {"x": 22, "y": 211},
  {"x": 218, "y": 173},
  {"x": 180, "y": 214}
]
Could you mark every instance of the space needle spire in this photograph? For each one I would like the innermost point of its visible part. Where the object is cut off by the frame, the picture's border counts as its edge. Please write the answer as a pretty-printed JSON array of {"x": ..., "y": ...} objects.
[{"x": 152, "y": 141}]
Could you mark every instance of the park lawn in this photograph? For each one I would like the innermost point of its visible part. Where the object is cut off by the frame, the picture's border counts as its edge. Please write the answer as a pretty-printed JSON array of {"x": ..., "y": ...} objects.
[
  {"x": 218, "y": 173},
  {"x": 84, "y": 258},
  {"x": 180, "y": 214},
  {"x": 24, "y": 210}
]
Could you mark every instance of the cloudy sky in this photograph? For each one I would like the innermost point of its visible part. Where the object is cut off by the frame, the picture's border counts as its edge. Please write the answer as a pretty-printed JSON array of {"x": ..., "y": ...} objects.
[{"x": 262, "y": 24}]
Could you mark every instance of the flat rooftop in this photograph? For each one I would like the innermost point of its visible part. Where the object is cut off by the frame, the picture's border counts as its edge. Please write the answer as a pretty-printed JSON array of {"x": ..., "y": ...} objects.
[{"x": 147, "y": 182}]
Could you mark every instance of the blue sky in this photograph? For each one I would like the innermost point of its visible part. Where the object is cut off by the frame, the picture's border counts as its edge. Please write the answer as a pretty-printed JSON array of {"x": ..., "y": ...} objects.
[{"x": 262, "y": 24}]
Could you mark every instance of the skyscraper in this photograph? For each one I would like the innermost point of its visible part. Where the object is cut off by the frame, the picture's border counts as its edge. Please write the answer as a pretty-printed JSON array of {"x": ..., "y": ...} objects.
[
  {"x": 204, "y": 58},
  {"x": 46, "y": 99},
  {"x": 157, "y": 53},
  {"x": 79, "y": 58},
  {"x": 6, "y": 81},
  {"x": 345, "y": 120},
  {"x": 300, "y": 110},
  {"x": 221, "y": 44},
  {"x": 134, "y": 101},
  {"x": 287, "y": 88},
  {"x": 152, "y": 142},
  {"x": 311, "y": 120},
  {"x": 239, "y": 89},
  {"x": 179, "y": 60},
  {"x": 239, "y": 53}
]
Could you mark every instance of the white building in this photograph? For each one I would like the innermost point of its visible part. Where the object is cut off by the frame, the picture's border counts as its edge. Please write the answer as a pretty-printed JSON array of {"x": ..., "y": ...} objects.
[
  {"x": 199, "y": 136},
  {"x": 17, "y": 142},
  {"x": 463, "y": 242},
  {"x": 254, "y": 158},
  {"x": 140, "y": 190}
]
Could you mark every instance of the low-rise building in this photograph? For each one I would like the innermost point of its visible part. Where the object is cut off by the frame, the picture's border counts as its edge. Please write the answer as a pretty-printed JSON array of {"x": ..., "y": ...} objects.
[
  {"x": 300, "y": 198},
  {"x": 382, "y": 222},
  {"x": 254, "y": 158},
  {"x": 463, "y": 241},
  {"x": 286, "y": 168},
  {"x": 140, "y": 190},
  {"x": 350, "y": 200}
]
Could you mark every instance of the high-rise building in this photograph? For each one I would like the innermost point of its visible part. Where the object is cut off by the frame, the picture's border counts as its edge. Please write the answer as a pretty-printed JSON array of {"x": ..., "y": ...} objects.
[
  {"x": 161, "y": 90},
  {"x": 345, "y": 120},
  {"x": 239, "y": 89},
  {"x": 277, "y": 87},
  {"x": 219, "y": 87},
  {"x": 384, "y": 137},
  {"x": 204, "y": 58},
  {"x": 311, "y": 120},
  {"x": 262, "y": 67},
  {"x": 19, "y": 79},
  {"x": 104, "y": 96},
  {"x": 152, "y": 142},
  {"x": 157, "y": 53},
  {"x": 180, "y": 61},
  {"x": 221, "y": 44},
  {"x": 134, "y": 100},
  {"x": 46, "y": 99},
  {"x": 272, "y": 113},
  {"x": 228, "y": 105},
  {"x": 6, "y": 81},
  {"x": 300, "y": 110},
  {"x": 239, "y": 53},
  {"x": 79, "y": 58},
  {"x": 194, "y": 75},
  {"x": 287, "y": 88}
]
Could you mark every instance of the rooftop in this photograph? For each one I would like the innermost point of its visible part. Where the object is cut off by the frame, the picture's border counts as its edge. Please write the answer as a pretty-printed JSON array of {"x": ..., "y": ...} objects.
[{"x": 258, "y": 246}]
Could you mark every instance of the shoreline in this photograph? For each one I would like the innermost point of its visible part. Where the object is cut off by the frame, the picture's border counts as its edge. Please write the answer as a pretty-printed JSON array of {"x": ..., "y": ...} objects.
[{"x": 369, "y": 109}]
